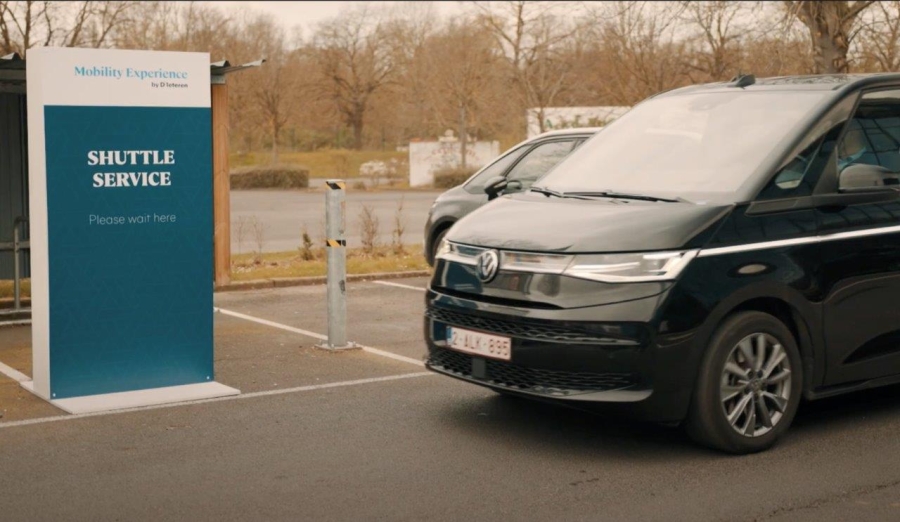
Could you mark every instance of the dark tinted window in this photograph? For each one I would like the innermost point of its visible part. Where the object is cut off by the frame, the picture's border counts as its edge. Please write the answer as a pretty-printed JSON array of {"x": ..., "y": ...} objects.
[
  {"x": 497, "y": 168},
  {"x": 873, "y": 135},
  {"x": 799, "y": 176},
  {"x": 539, "y": 161}
]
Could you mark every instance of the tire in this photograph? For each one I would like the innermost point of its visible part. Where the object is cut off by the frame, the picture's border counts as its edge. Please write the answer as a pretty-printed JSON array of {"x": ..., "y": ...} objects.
[
  {"x": 721, "y": 389},
  {"x": 437, "y": 244}
]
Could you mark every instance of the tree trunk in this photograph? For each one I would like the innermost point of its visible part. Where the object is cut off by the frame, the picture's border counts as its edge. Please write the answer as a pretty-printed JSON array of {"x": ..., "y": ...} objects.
[
  {"x": 275, "y": 133},
  {"x": 542, "y": 127},
  {"x": 830, "y": 25},
  {"x": 357, "y": 125},
  {"x": 831, "y": 51},
  {"x": 463, "y": 138}
]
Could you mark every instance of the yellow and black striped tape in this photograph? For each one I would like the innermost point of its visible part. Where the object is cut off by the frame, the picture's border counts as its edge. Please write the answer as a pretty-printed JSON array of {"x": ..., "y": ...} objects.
[
  {"x": 336, "y": 242},
  {"x": 336, "y": 185}
]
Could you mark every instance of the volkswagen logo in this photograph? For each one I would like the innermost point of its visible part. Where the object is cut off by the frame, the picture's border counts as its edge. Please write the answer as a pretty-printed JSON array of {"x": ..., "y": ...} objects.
[{"x": 488, "y": 263}]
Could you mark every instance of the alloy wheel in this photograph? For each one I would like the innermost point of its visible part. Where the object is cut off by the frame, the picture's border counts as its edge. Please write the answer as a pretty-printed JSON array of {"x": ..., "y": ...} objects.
[{"x": 756, "y": 384}]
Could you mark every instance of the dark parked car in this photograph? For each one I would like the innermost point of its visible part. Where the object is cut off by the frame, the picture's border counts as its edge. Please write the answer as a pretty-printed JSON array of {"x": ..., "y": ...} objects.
[
  {"x": 710, "y": 258},
  {"x": 515, "y": 170}
]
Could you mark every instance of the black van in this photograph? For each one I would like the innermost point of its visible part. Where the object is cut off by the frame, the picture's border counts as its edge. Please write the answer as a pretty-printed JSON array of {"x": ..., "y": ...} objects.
[{"x": 710, "y": 258}]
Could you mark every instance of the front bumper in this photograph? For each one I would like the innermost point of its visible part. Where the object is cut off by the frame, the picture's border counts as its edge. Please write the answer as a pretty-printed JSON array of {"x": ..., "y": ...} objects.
[{"x": 610, "y": 357}]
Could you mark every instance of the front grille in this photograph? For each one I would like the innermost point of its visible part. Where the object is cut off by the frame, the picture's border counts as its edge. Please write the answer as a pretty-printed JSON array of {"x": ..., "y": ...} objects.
[
  {"x": 545, "y": 382},
  {"x": 533, "y": 329}
]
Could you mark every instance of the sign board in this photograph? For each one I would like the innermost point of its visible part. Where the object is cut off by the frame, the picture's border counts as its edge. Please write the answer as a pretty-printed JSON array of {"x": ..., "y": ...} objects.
[
  {"x": 428, "y": 157},
  {"x": 120, "y": 173}
]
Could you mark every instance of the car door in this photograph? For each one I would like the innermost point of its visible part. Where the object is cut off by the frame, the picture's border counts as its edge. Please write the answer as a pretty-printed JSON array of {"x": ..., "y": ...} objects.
[{"x": 859, "y": 252}]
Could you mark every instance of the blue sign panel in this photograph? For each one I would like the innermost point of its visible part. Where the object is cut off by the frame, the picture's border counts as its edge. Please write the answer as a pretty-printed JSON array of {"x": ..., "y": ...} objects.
[{"x": 129, "y": 228}]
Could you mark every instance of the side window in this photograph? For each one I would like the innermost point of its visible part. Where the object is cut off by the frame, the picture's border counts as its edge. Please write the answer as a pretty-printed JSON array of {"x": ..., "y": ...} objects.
[
  {"x": 497, "y": 168},
  {"x": 873, "y": 136},
  {"x": 798, "y": 177},
  {"x": 539, "y": 161}
]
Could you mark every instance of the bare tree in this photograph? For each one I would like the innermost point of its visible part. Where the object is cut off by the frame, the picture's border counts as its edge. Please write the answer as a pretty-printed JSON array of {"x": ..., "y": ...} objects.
[
  {"x": 462, "y": 70},
  {"x": 721, "y": 29},
  {"x": 28, "y": 23},
  {"x": 399, "y": 230},
  {"x": 275, "y": 88},
  {"x": 832, "y": 26},
  {"x": 104, "y": 19},
  {"x": 643, "y": 55},
  {"x": 532, "y": 37},
  {"x": 23, "y": 23},
  {"x": 880, "y": 38},
  {"x": 355, "y": 59},
  {"x": 406, "y": 106},
  {"x": 368, "y": 229}
]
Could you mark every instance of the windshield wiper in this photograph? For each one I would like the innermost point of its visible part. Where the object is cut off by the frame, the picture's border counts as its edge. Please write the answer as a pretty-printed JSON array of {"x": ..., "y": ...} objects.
[
  {"x": 547, "y": 192},
  {"x": 622, "y": 195}
]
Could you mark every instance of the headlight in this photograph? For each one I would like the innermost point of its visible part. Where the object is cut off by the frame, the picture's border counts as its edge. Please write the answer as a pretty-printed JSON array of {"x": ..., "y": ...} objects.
[
  {"x": 607, "y": 268},
  {"x": 629, "y": 268},
  {"x": 443, "y": 249}
]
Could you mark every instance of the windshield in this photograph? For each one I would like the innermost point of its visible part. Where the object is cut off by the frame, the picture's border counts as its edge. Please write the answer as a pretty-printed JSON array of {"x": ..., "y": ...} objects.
[{"x": 696, "y": 146}]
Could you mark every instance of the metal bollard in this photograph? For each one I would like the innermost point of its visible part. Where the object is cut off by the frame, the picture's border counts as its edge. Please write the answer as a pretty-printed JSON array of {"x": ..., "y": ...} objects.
[{"x": 336, "y": 247}]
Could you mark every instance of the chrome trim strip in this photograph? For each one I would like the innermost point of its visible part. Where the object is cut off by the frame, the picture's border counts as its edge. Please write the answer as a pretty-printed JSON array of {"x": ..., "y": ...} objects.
[
  {"x": 706, "y": 252},
  {"x": 799, "y": 241},
  {"x": 861, "y": 233},
  {"x": 456, "y": 258},
  {"x": 531, "y": 270}
]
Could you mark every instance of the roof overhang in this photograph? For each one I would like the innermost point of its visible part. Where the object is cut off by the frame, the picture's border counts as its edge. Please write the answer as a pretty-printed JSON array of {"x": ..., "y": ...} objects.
[{"x": 12, "y": 72}]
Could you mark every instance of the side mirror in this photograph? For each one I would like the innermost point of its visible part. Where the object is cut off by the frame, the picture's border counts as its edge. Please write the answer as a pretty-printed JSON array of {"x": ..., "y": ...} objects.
[
  {"x": 494, "y": 186},
  {"x": 861, "y": 177},
  {"x": 513, "y": 186}
]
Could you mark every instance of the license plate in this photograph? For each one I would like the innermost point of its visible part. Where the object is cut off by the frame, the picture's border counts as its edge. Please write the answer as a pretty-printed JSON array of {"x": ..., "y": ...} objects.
[{"x": 486, "y": 345}]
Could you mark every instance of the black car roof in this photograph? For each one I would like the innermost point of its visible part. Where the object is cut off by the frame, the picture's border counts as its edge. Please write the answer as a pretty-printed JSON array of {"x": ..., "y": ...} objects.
[{"x": 817, "y": 82}]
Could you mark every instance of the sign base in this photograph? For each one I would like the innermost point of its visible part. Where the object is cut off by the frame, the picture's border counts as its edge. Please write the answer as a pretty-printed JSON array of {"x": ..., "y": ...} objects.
[
  {"x": 138, "y": 399},
  {"x": 331, "y": 348}
]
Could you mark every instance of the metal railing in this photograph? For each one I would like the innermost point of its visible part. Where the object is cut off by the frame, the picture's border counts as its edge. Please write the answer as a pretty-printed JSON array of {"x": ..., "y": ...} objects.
[{"x": 17, "y": 247}]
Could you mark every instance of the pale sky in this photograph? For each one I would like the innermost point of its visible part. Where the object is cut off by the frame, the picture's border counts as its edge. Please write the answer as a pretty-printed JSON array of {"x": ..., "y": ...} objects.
[{"x": 307, "y": 14}]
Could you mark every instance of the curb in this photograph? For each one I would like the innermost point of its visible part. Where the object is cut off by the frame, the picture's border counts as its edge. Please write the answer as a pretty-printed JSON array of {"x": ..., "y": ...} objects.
[
  {"x": 6, "y": 303},
  {"x": 283, "y": 282}
]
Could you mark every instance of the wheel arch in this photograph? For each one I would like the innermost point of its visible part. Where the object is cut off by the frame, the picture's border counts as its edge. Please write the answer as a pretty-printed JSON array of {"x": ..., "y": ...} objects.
[
  {"x": 436, "y": 230},
  {"x": 790, "y": 307}
]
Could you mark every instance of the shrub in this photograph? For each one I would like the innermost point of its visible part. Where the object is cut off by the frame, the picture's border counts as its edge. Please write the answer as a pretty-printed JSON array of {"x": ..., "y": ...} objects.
[
  {"x": 271, "y": 176},
  {"x": 450, "y": 177},
  {"x": 399, "y": 230},
  {"x": 306, "y": 249},
  {"x": 368, "y": 229}
]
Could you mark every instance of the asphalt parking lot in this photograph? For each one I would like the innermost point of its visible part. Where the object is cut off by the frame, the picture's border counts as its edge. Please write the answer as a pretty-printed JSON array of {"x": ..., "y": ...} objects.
[{"x": 368, "y": 435}]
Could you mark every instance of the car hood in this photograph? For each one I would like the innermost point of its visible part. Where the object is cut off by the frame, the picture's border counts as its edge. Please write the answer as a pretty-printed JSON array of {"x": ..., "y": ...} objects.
[{"x": 538, "y": 223}]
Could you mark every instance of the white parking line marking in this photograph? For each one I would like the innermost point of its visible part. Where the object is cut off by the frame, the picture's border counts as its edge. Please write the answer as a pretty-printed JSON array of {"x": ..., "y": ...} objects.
[
  {"x": 300, "y": 331},
  {"x": 251, "y": 395},
  {"x": 398, "y": 285},
  {"x": 314, "y": 335},
  {"x": 13, "y": 373}
]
